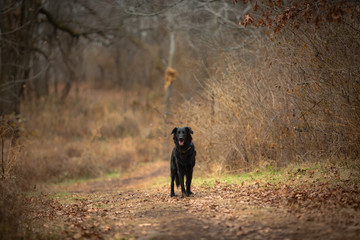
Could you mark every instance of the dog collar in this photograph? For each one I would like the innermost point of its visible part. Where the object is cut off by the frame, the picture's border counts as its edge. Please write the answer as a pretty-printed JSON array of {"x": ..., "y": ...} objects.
[{"x": 191, "y": 144}]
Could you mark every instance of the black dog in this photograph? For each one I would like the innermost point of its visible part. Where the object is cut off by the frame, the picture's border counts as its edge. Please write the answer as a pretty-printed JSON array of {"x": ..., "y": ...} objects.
[{"x": 182, "y": 160}]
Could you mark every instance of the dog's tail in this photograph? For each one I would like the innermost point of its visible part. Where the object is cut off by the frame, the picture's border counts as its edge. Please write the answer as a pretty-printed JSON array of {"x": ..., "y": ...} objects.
[{"x": 177, "y": 180}]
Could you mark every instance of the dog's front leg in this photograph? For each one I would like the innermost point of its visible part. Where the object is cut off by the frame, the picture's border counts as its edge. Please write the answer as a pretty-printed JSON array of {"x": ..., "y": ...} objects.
[
  {"x": 181, "y": 178},
  {"x": 172, "y": 193},
  {"x": 188, "y": 183}
]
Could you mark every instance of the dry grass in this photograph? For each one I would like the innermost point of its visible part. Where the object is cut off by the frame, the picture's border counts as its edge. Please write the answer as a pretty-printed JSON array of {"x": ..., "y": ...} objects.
[
  {"x": 101, "y": 131},
  {"x": 296, "y": 101}
]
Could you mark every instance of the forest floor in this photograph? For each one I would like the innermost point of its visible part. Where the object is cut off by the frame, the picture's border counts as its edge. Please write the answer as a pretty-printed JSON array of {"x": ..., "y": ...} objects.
[{"x": 138, "y": 206}]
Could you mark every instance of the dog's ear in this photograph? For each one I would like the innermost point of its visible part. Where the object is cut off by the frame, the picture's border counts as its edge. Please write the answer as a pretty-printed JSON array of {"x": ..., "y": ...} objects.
[
  {"x": 189, "y": 130},
  {"x": 173, "y": 131}
]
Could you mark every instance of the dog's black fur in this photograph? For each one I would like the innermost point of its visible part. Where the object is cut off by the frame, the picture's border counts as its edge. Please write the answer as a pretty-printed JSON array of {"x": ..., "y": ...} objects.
[{"x": 182, "y": 160}]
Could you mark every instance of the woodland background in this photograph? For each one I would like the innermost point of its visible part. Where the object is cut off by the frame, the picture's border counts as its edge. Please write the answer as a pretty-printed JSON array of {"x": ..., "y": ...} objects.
[{"x": 91, "y": 87}]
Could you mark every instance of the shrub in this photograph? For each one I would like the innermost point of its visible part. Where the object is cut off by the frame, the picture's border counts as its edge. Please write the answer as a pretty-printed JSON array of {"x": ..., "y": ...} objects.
[{"x": 297, "y": 98}]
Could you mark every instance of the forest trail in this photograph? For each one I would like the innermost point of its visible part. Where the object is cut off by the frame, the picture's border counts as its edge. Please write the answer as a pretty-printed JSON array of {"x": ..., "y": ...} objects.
[{"x": 130, "y": 207}]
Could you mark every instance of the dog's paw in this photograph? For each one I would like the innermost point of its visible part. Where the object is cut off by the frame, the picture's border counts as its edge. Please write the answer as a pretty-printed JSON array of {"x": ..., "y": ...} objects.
[
  {"x": 172, "y": 195},
  {"x": 183, "y": 195},
  {"x": 189, "y": 193}
]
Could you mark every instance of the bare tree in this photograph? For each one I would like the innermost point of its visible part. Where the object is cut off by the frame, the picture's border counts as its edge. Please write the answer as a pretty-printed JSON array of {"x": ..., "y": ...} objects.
[{"x": 17, "y": 19}]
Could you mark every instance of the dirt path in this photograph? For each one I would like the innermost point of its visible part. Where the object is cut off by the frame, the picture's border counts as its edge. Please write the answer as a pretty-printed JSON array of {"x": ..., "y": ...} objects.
[
  {"x": 135, "y": 180},
  {"x": 127, "y": 208}
]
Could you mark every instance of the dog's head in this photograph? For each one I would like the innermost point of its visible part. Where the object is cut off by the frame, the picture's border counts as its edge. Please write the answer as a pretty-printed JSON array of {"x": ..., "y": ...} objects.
[{"x": 182, "y": 136}]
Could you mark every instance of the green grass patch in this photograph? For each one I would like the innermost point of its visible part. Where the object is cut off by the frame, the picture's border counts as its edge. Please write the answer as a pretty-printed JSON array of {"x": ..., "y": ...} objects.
[
  {"x": 107, "y": 176},
  {"x": 270, "y": 176},
  {"x": 158, "y": 182},
  {"x": 296, "y": 174},
  {"x": 68, "y": 197}
]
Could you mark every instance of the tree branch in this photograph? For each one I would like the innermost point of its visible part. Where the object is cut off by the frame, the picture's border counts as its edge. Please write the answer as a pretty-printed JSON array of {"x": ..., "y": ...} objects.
[
  {"x": 59, "y": 25},
  {"x": 65, "y": 28},
  {"x": 41, "y": 52}
]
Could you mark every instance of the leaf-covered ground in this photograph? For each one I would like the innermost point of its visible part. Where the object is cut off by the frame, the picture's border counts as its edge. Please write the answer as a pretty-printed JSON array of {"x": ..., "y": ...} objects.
[{"x": 138, "y": 206}]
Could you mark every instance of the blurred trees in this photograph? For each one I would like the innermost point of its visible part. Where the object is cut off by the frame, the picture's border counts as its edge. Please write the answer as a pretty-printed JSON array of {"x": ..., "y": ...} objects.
[
  {"x": 48, "y": 44},
  {"x": 48, "y": 47}
]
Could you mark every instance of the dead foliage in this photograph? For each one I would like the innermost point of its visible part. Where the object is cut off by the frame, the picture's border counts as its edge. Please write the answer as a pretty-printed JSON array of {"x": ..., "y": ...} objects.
[
  {"x": 227, "y": 210},
  {"x": 169, "y": 76},
  {"x": 279, "y": 15}
]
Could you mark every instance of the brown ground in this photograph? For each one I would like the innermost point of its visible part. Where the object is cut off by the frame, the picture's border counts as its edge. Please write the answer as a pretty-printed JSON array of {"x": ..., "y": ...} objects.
[{"x": 129, "y": 208}]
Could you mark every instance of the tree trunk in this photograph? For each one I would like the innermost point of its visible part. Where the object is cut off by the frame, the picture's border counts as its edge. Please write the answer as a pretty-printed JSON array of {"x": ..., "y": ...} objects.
[
  {"x": 16, "y": 25},
  {"x": 168, "y": 86},
  {"x": 69, "y": 63},
  {"x": 9, "y": 60},
  {"x": 170, "y": 65},
  {"x": 40, "y": 78}
]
